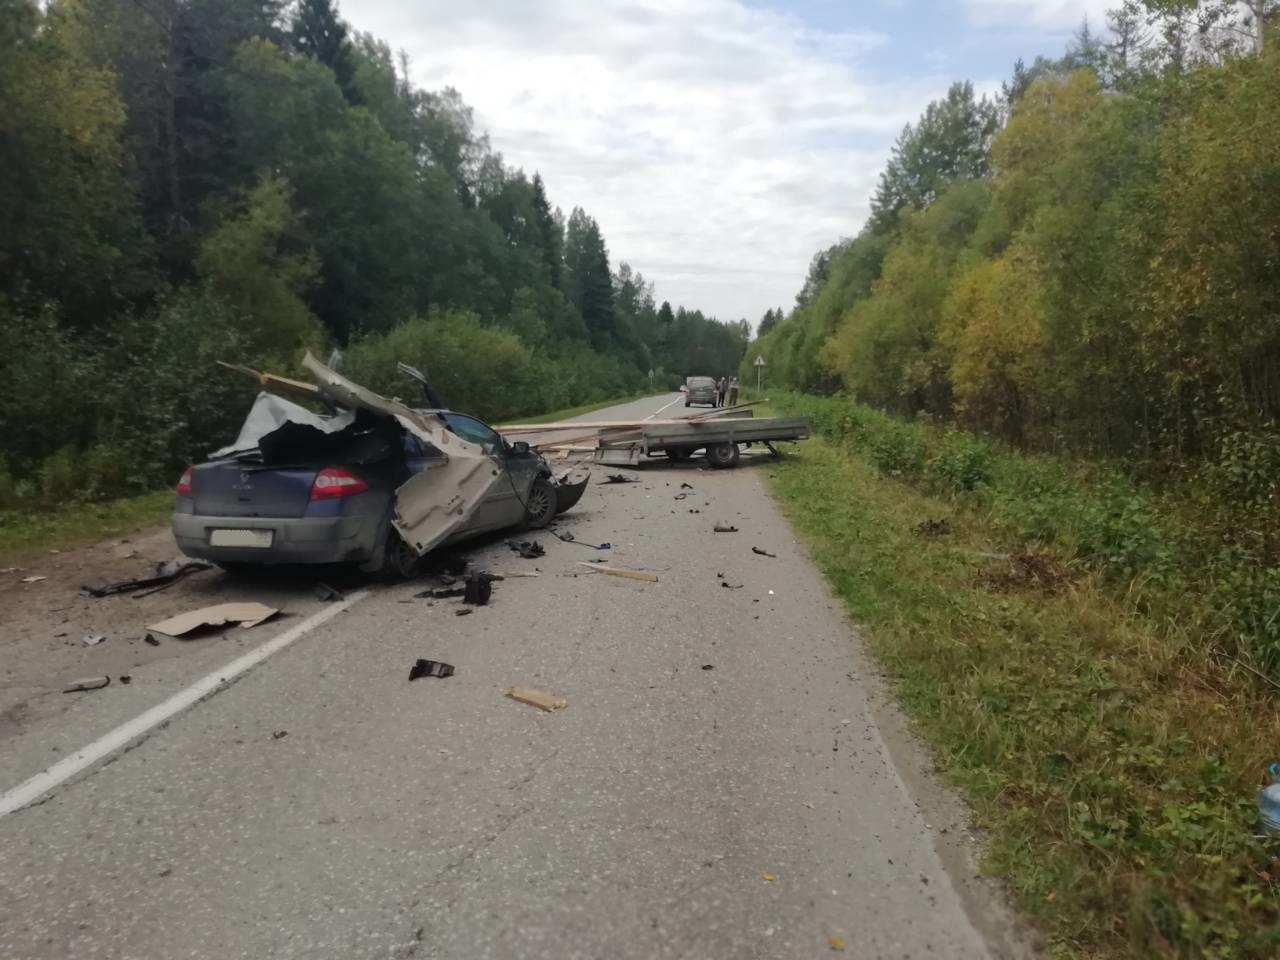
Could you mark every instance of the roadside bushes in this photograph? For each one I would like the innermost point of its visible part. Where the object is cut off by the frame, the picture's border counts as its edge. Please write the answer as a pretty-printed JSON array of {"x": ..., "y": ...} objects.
[
  {"x": 1201, "y": 554},
  {"x": 483, "y": 370},
  {"x": 99, "y": 417}
]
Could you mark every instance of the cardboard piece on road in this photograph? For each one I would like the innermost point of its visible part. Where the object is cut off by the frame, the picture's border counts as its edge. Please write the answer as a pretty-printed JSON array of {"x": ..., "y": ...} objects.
[
  {"x": 246, "y": 614},
  {"x": 621, "y": 572},
  {"x": 537, "y": 698}
]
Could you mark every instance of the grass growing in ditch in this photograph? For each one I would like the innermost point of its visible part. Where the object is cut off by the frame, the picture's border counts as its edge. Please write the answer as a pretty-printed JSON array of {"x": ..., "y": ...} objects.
[
  {"x": 23, "y": 533},
  {"x": 1114, "y": 767}
]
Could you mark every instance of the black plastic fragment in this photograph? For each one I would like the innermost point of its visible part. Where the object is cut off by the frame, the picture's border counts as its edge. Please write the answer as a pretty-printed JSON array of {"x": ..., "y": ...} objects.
[
  {"x": 432, "y": 668},
  {"x": 762, "y": 552},
  {"x": 725, "y": 528},
  {"x": 478, "y": 590}
]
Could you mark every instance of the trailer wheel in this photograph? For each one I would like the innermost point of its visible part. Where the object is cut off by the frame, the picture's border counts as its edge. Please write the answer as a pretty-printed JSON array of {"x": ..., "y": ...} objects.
[
  {"x": 679, "y": 454},
  {"x": 722, "y": 456}
]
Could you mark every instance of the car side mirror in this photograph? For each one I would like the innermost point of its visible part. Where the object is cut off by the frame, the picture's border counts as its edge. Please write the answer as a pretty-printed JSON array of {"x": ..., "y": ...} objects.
[{"x": 520, "y": 448}]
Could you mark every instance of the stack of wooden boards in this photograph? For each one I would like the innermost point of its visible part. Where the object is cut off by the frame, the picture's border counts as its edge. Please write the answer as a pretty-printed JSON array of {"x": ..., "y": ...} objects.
[{"x": 580, "y": 436}]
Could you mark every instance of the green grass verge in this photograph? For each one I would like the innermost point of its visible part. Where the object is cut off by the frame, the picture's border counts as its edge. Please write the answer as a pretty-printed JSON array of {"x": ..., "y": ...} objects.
[
  {"x": 25, "y": 533},
  {"x": 1114, "y": 769}
]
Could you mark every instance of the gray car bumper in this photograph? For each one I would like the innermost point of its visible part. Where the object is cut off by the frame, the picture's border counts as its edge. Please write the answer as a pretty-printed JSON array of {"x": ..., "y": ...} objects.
[{"x": 294, "y": 540}]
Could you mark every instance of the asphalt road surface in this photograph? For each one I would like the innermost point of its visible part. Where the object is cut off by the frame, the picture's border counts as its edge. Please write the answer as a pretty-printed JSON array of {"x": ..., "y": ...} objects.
[{"x": 725, "y": 782}]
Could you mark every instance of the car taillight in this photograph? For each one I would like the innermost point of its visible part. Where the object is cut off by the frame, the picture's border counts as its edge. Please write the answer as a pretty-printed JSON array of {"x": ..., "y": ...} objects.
[
  {"x": 184, "y": 483},
  {"x": 334, "y": 482}
]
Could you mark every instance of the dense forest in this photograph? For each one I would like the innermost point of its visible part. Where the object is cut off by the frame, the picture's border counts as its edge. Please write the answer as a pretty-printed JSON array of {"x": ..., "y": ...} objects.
[
  {"x": 1089, "y": 263},
  {"x": 184, "y": 181}
]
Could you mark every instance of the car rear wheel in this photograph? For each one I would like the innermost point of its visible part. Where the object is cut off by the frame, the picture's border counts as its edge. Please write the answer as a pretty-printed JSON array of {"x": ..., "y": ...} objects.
[
  {"x": 399, "y": 561},
  {"x": 540, "y": 505},
  {"x": 723, "y": 455}
]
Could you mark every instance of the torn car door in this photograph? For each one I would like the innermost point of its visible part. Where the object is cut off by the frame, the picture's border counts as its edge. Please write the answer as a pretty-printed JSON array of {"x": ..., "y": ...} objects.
[{"x": 432, "y": 504}]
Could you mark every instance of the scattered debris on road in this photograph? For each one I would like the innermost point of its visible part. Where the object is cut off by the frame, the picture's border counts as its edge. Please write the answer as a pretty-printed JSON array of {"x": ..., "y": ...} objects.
[
  {"x": 478, "y": 590},
  {"x": 686, "y": 486},
  {"x": 725, "y": 528},
  {"x": 126, "y": 678},
  {"x": 279, "y": 734},
  {"x": 730, "y": 586},
  {"x": 760, "y": 551},
  {"x": 87, "y": 683},
  {"x": 679, "y": 496},
  {"x": 325, "y": 592},
  {"x": 529, "y": 549},
  {"x": 537, "y": 698},
  {"x": 568, "y": 537},
  {"x": 438, "y": 594},
  {"x": 617, "y": 478},
  {"x": 768, "y": 877},
  {"x": 708, "y": 666},
  {"x": 32, "y": 579},
  {"x": 150, "y": 641},
  {"x": 92, "y": 639},
  {"x": 246, "y": 614},
  {"x": 464, "y": 612},
  {"x": 619, "y": 571},
  {"x": 837, "y": 942},
  {"x": 167, "y": 573},
  {"x": 431, "y": 668}
]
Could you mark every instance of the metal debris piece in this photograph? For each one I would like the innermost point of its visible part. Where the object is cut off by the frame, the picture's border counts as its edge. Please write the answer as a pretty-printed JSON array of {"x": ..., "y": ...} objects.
[
  {"x": 325, "y": 592},
  {"x": 151, "y": 641},
  {"x": 441, "y": 594},
  {"x": 708, "y": 666},
  {"x": 617, "y": 478},
  {"x": 620, "y": 571},
  {"x": 686, "y": 486},
  {"x": 465, "y": 611},
  {"x": 730, "y": 586},
  {"x": 167, "y": 572},
  {"x": 86, "y": 683},
  {"x": 537, "y": 698},
  {"x": 279, "y": 734},
  {"x": 32, "y": 579},
  {"x": 568, "y": 537},
  {"x": 431, "y": 668},
  {"x": 529, "y": 549},
  {"x": 246, "y": 614},
  {"x": 762, "y": 552},
  {"x": 725, "y": 528},
  {"x": 92, "y": 639}
]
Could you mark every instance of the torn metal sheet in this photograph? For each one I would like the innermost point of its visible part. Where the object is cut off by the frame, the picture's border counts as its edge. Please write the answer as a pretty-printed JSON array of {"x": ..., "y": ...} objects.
[
  {"x": 432, "y": 504},
  {"x": 269, "y": 413},
  {"x": 246, "y": 614}
]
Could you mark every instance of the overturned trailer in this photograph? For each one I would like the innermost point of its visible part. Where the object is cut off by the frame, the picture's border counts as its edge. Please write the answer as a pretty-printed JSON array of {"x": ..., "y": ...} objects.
[{"x": 369, "y": 480}]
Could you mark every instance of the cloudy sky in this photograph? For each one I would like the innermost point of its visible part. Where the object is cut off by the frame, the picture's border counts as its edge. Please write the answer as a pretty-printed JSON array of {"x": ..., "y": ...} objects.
[{"x": 719, "y": 143}]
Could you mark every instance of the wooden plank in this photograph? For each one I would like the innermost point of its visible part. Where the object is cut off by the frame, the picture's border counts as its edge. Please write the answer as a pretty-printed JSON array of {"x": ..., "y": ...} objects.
[{"x": 620, "y": 572}]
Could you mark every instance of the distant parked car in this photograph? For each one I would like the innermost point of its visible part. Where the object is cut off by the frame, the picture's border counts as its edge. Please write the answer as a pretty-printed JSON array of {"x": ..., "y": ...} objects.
[
  {"x": 700, "y": 390},
  {"x": 322, "y": 502}
]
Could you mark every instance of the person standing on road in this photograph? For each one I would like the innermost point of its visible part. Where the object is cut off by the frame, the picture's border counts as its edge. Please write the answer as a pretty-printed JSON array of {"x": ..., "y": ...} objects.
[
  {"x": 720, "y": 389},
  {"x": 733, "y": 391}
]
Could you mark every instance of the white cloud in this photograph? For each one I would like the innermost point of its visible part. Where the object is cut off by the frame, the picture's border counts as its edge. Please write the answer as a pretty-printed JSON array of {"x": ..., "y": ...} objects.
[
  {"x": 718, "y": 146},
  {"x": 1040, "y": 13}
]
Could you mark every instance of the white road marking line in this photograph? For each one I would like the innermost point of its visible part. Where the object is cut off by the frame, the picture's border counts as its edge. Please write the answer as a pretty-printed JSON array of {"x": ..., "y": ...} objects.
[
  {"x": 126, "y": 733},
  {"x": 678, "y": 398}
]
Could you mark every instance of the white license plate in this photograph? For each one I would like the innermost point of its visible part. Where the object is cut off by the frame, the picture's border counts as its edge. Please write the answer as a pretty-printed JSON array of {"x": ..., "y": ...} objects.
[{"x": 241, "y": 538}]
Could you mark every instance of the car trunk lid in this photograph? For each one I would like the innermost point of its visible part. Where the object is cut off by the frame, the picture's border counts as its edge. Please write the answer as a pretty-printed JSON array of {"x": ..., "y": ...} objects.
[{"x": 235, "y": 488}]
